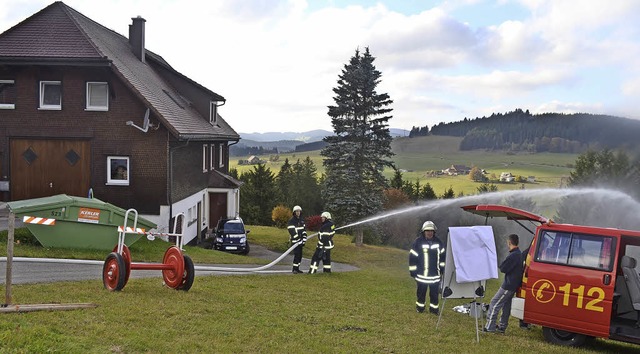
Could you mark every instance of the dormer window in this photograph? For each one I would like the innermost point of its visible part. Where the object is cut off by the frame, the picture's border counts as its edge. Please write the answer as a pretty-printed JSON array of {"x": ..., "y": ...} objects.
[
  {"x": 97, "y": 96},
  {"x": 51, "y": 95},
  {"x": 213, "y": 112}
]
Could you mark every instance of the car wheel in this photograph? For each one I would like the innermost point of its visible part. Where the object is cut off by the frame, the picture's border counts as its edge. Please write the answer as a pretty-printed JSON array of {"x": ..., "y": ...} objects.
[
  {"x": 246, "y": 250},
  {"x": 565, "y": 338}
]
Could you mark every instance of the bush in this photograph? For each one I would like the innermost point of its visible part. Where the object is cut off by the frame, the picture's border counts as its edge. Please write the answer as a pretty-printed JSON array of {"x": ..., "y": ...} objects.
[
  {"x": 313, "y": 222},
  {"x": 20, "y": 235},
  {"x": 280, "y": 216}
]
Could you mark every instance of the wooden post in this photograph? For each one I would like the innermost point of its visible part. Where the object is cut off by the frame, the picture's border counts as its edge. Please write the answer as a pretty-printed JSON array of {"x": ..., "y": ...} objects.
[{"x": 10, "y": 236}]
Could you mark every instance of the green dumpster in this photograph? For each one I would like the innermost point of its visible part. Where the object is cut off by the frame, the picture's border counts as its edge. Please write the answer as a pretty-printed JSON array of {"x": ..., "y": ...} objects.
[{"x": 74, "y": 222}]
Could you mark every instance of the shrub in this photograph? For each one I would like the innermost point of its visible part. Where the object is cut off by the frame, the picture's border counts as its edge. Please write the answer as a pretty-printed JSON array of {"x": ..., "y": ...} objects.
[
  {"x": 313, "y": 222},
  {"x": 20, "y": 235},
  {"x": 280, "y": 216}
]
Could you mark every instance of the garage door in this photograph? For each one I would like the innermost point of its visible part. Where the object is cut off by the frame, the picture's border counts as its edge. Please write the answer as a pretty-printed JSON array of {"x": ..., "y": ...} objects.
[{"x": 41, "y": 168}]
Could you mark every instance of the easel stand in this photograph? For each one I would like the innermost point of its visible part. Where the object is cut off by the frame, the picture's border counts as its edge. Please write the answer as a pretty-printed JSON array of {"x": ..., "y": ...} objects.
[{"x": 473, "y": 311}]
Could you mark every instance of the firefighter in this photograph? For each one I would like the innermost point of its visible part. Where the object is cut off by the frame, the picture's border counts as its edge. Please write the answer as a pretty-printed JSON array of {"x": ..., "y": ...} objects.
[
  {"x": 426, "y": 266},
  {"x": 297, "y": 236},
  {"x": 325, "y": 244}
]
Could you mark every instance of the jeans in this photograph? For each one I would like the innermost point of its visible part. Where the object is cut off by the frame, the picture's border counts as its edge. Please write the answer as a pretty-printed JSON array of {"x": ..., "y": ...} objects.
[{"x": 500, "y": 301}]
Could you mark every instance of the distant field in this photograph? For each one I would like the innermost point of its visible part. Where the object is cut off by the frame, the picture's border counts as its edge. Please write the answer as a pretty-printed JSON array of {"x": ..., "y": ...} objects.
[{"x": 420, "y": 155}]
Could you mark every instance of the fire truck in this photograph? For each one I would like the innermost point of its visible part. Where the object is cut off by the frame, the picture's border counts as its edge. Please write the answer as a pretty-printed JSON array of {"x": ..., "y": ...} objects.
[{"x": 579, "y": 282}]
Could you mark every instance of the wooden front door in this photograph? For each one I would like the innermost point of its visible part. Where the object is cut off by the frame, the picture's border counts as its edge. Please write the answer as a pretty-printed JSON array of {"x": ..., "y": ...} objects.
[
  {"x": 217, "y": 208},
  {"x": 41, "y": 168}
]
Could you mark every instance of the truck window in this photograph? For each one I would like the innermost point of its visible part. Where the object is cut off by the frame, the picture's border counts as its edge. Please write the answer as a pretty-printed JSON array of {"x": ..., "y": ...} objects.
[{"x": 579, "y": 250}]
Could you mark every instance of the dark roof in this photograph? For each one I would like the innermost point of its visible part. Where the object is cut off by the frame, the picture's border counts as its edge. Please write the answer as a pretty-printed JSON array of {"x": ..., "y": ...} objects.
[{"x": 59, "y": 34}]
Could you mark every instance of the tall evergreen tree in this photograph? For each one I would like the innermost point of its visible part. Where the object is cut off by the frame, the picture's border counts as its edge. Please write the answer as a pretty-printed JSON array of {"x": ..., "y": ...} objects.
[
  {"x": 396, "y": 181},
  {"x": 306, "y": 189},
  {"x": 285, "y": 184},
  {"x": 361, "y": 147}
]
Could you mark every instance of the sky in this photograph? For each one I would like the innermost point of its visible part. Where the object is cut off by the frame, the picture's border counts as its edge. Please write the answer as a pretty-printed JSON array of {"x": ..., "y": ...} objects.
[{"x": 276, "y": 62}]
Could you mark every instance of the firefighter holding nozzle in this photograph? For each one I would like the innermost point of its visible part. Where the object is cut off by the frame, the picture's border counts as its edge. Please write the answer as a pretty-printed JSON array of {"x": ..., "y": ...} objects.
[
  {"x": 426, "y": 266},
  {"x": 297, "y": 236},
  {"x": 324, "y": 246}
]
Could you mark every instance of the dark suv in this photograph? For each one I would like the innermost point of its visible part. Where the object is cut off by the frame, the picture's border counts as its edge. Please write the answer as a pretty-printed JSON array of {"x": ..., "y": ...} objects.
[{"x": 231, "y": 236}]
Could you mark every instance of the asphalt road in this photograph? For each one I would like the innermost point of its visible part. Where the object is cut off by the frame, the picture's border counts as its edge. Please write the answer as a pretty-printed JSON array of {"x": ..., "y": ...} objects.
[{"x": 25, "y": 271}]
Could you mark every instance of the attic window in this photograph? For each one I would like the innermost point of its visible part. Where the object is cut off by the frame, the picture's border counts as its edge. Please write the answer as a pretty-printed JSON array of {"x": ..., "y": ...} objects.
[
  {"x": 51, "y": 95},
  {"x": 213, "y": 112},
  {"x": 7, "y": 94},
  {"x": 97, "y": 96}
]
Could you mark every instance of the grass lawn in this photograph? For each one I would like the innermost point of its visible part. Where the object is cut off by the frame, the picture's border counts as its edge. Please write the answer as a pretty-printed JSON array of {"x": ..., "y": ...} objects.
[
  {"x": 367, "y": 311},
  {"x": 420, "y": 155}
]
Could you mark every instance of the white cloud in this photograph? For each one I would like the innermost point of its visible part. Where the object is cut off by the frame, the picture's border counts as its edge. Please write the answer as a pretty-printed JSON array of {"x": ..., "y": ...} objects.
[{"x": 276, "y": 62}]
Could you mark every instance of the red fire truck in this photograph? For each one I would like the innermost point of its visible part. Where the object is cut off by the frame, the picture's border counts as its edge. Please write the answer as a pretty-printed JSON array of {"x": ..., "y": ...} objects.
[{"x": 579, "y": 282}]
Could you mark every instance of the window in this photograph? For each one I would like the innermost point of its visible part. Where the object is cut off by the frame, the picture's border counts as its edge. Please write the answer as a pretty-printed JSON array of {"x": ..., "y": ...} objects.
[
  {"x": 213, "y": 112},
  {"x": 118, "y": 170},
  {"x": 221, "y": 155},
  {"x": 212, "y": 156},
  {"x": 97, "y": 96},
  {"x": 204, "y": 158},
  {"x": 51, "y": 95},
  {"x": 579, "y": 250},
  {"x": 7, "y": 94}
]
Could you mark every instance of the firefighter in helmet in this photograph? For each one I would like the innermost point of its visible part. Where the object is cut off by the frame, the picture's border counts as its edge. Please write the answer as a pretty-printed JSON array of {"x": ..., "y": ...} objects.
[
  {"x": 426, "y": 266},
  {"x": 324, "y": 246},
  {"x": 297, "y": 236}
]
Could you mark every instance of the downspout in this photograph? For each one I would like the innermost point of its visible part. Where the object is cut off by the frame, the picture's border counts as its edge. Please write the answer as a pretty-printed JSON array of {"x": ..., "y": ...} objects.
[{"x": 169, "y": 190}]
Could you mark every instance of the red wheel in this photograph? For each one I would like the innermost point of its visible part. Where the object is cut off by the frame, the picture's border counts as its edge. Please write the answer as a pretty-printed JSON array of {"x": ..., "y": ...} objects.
[
  {"x": 173, "y": 277},
  {"x": 113, "y": 272},
  {"x": 189, "y": 274},
  {"x": 126, "y": 256}
]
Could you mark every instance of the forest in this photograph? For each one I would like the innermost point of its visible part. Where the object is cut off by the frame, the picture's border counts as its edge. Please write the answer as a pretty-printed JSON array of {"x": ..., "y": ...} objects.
[{"x": 553, "y": 132}]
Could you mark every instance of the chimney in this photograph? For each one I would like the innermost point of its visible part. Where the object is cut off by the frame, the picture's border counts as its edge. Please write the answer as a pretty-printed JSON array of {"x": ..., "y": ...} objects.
[{"x": 136, "y": 37}]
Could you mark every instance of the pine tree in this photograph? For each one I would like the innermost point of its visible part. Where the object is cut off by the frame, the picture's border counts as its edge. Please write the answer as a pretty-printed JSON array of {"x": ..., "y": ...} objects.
[
  {"x": 396, "y": 181},
  {"x": 259, "y": 195},
  {"x": 361, "y": 147},
  {"x": 285, "y": 184}
]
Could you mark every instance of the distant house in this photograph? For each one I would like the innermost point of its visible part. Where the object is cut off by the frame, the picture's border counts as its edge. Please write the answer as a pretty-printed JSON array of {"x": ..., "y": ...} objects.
[
  {"x": 254, "y": 160},
  {"x": 507, "y": 177},
  {"x": 84, "y": 108},
  {"x": 455, "y": 170}
]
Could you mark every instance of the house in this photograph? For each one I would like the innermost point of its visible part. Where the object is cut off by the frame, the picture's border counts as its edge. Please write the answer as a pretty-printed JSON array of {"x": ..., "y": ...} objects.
[
  {"x": 455, "y": 170},
  {"x": 84, "y": 109},
  {"x": 507, "y": 177}
]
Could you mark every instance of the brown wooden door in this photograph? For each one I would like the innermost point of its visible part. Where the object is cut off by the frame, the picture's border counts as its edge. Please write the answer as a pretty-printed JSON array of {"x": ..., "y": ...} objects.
[
  {"x": 217, "y": 208},
  {"x": 41, "y": 168}
]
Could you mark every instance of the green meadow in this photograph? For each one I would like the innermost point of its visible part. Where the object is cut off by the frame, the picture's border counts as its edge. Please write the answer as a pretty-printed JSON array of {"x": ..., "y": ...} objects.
[
  {"x": 371, "y": 310},
  {"x": 418, "y": 157}
]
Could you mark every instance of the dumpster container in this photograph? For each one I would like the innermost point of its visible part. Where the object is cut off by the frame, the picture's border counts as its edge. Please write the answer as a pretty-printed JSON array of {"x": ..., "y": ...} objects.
[{"x": 76, "y": 222}]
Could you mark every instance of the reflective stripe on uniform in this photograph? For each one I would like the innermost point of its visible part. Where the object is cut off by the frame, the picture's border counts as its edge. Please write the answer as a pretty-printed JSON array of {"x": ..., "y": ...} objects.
[{"x": 414, "y": 253}]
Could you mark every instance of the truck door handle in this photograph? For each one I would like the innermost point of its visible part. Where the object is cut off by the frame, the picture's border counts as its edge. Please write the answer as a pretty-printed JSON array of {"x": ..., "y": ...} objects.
[{"x": 606, "y": 279}]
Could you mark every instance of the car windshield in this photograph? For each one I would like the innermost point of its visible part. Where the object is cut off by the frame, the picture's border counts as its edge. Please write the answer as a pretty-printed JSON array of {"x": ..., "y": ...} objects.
[{"x": 232, "y": 228}]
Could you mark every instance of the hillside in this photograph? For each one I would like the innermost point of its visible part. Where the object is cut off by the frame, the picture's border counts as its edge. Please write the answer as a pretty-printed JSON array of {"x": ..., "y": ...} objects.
[{"x": 554, "y": 132}]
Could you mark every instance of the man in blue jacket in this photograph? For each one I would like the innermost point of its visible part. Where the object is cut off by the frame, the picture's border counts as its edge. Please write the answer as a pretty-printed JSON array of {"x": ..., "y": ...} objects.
[{"x": 512, "y": 269}]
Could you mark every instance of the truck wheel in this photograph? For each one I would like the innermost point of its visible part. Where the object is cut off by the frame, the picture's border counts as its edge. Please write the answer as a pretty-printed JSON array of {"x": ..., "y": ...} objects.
[{"x": 565, "y": 338}]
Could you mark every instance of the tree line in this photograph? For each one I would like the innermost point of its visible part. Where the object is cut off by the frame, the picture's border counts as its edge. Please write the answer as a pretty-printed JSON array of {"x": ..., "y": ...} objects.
[{"x": 553, "y": 132}]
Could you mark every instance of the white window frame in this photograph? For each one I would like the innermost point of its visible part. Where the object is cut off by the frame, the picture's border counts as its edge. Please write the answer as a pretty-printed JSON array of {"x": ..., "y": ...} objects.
[
  {"x": 221, "y": 162},
  {"x": 8, "y": 105},
  {"x": 204, "y": 158},
  {"x": 212, "y": 156},
  {"x": 43, "y": 105},
  {"x": 111, "y": 175},
  {"x": 90, "y": 85},
  {"x": 213, "y": 112}
]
